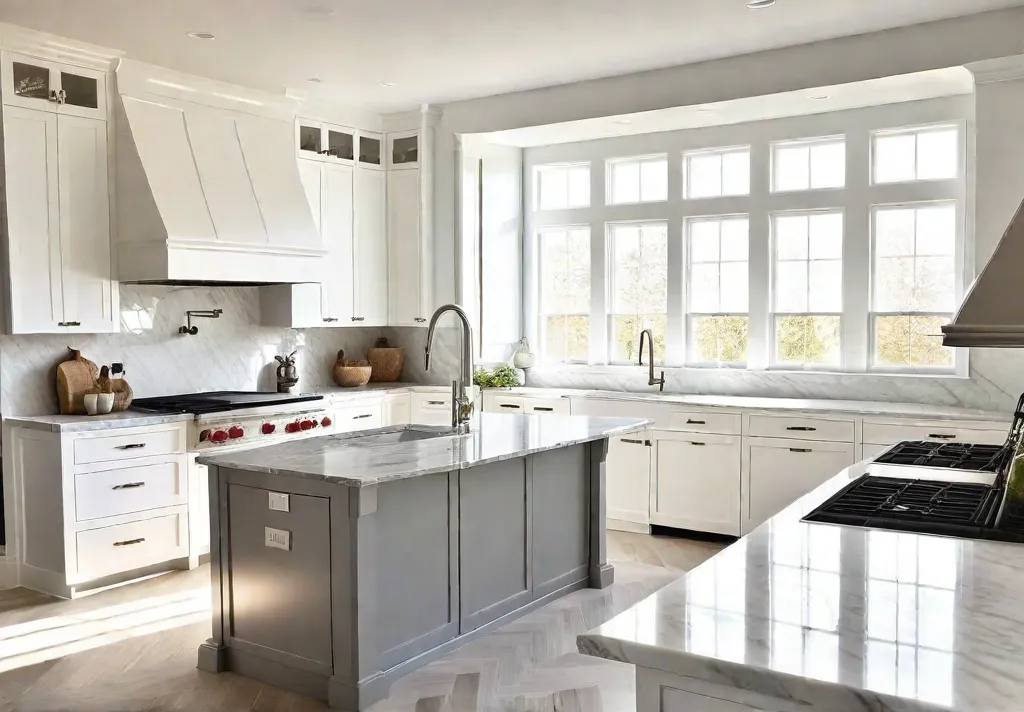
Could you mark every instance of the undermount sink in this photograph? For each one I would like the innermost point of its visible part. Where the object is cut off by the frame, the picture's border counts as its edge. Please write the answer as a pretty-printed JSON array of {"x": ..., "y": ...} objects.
[{"x": 398, "y": 434}]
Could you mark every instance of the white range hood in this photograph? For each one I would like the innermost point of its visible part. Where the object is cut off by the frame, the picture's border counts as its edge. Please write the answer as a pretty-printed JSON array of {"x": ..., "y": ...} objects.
[
  {"x": 992, "y": 314},
  {"x": 208, "y": 187}
]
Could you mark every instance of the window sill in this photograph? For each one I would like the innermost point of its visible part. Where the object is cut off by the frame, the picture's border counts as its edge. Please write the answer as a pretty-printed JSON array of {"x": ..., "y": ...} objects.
[{"x": 624, "y": 370}]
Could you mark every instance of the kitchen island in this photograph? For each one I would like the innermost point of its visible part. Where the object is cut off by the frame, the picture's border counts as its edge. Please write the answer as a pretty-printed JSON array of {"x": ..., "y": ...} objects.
[
  {"x": 341, "y": 563},
  {"x": 799, "y": 616}
]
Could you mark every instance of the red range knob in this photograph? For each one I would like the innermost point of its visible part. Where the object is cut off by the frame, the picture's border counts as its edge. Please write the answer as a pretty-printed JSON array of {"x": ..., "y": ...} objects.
[
  {"x": 268, "y": 428},
  {"x": 292, "y": 428},
  {"x": 219, "y": 436},
  {"x": 235, "y": 432},
  {"x": 306, "y": 425},
  {"x": 326, "y": 422}
]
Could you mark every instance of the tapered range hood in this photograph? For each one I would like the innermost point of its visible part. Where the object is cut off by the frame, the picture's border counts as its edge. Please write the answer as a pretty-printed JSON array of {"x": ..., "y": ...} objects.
[
  {"x": 992, "y": 314},
  {"x": 208, "y": 187}
]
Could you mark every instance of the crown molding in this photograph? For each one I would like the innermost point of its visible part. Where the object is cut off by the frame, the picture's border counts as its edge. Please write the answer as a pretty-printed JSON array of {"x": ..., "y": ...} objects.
[
  {"x": 59, "y": 49},
  {"x": 1002, "y": 69}
]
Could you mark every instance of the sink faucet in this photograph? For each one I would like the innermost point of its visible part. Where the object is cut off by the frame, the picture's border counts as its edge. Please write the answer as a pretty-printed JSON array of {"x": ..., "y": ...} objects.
[
  {"x": 651, "y": 380},
  {"x": 462, "y": 404}
]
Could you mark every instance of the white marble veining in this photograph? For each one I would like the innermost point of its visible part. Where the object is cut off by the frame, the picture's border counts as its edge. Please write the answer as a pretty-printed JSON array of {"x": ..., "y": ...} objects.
[
  {"x": 85, "y": 423},
  {"x": 839, "y": 618},
  {"x": 233, "y": 352},
  {"x": 494, "y": 437}
]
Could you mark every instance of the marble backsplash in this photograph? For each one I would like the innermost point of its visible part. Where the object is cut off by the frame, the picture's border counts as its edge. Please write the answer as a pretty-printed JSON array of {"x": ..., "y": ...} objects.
[{"x": 233, "y": 352}]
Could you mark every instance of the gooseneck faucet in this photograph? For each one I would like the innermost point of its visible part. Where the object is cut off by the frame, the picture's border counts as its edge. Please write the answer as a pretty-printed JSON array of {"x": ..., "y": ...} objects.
[
  {"x": 651, "y": 380},
  {"x": 462, "y": 404}
]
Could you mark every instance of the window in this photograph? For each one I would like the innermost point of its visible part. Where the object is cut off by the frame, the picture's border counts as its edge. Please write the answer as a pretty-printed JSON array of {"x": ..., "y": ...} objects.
[
  {"x": 637, "y": 180},
  {"x": 560, "y": 187},
  {"x": 930, "y": 153},
  {"x": 639, "y": 290},
  {"x": 914, "y": 284},
  {"x": 809, "y": 165},
  {"x": 718, "y": 173},
  {"x": 564, "y": 257},
  {"x": 808, "y": 279},
  {"x": 718, "y": 282}
]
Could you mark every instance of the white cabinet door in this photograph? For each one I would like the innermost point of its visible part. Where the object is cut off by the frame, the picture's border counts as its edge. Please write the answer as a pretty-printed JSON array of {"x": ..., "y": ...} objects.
[
  {"x": 397, "y": 409},
  {"x": 406, "y": 249},
  {"x": 779, "y": 471},
  {"x": 89, "y": 292},
  {"x": 33, "y": 221},
  {"x": 697, "y": 482},
  {"x": 628, "y": 480},
  {"x": 338, "y": 224},
  {"x": 371, "y": 249}
]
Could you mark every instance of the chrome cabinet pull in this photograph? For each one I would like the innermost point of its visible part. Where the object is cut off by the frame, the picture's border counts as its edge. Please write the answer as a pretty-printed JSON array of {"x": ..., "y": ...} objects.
[
  {"x": 696, "y": 422},
  {"x": 69, "y": 323},
  {"x": 129, "y": 485},
  {"x": 130, "y": 446},
  {"x": 941, "y": 436},
  {"x": 802, "y": 428},
  {"x": 130, "y": 542},
  {"x": 435, "y": 402},
  {"x": 330, "y": 319},
  {"x": 421, "y": 320},
  {"x": 359, "y": 318},
  {"x": 799, "y": 449},
  {"x": 631, "y": 441},
  {"x": 360, "y": 417}
]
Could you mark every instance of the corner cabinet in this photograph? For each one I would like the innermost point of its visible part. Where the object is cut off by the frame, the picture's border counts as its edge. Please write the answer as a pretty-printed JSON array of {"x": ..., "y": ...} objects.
[
  {"x": 410, "y": 225},
  {"x": 58, "y": 216}
]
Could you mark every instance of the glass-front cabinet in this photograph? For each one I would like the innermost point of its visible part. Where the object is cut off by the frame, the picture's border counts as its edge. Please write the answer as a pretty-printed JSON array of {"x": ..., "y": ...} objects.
[
  {"x": 404, "y": 150},
  {"x": 337, "y": 144},
  {"x": 369, "y": 150},
  {"x": 51, "y": 86}
]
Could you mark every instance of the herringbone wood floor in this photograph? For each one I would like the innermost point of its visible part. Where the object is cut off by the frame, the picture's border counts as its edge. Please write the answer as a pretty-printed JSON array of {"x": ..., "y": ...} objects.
[{"x": 134, "y": 649}]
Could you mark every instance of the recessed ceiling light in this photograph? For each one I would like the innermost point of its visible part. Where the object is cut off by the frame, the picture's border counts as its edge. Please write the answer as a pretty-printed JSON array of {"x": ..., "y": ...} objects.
[
  {"x": 202, "y": 35},
  {"x": 758, "y": 4},
  {"x": 387, "y": 84},
  {"x": 819, "y": 97},
  {"x": 315, "y": 80}
]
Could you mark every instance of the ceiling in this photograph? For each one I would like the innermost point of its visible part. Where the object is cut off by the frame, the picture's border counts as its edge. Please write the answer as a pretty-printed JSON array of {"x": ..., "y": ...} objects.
[
  {"x": 437, "y": 51},
  {"x": 874, "y": 92}
]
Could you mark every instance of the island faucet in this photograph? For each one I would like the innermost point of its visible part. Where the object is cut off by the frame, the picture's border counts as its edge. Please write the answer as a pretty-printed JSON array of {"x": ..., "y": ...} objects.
[
  {"x": 651, "y": 380},
  {"x": 462, "y": 404}
]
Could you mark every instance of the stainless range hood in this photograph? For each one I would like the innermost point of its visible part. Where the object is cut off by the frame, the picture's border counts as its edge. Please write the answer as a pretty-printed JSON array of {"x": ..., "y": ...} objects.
[
  {"x": 208, "y": 186},
  {"x": 992, "y": 314}
]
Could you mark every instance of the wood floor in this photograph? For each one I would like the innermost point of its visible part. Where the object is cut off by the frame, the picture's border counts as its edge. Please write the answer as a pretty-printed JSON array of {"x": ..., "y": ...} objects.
[{"x": 134, "y": 649}]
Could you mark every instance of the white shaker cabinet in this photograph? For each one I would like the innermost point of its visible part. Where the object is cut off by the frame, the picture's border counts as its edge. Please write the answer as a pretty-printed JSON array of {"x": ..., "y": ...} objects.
[
  {"x": 58, "y": 213},
  {"x": 410, "y": 226},
  {"x": 371, "y": 249},
  {"x": 44, "y": 85},
  {"x": 628, "y": 482},
  {"x": 778, "y": 471},
  {"x": 696, "y": 482}
]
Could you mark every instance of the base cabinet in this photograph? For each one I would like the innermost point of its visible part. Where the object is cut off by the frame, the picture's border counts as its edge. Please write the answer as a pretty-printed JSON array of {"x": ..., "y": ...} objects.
[
  {"x": 779, "y": 471},
  {"x": 628, "y": 482},
  {"x": 696, "y": 482}
]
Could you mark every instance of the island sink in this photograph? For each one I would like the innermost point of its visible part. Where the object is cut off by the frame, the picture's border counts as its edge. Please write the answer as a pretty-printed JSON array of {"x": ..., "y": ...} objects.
[{"x": 341, "y": 563}]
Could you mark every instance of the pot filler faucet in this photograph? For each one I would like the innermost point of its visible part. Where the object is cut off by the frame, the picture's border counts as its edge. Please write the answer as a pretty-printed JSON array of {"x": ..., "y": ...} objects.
[
  {"x": 651, "y": 380},
  {"x": 462, "y": 404}
]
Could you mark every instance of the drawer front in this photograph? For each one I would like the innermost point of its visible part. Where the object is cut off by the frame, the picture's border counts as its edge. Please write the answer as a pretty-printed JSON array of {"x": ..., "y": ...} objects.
[
  {"x": 940, "y": 431},
  {"x": 547, "y": 406},
  {"x": 131, "y": 489},
  {"x": 800, "y": 428},
  {"x": 696, "y": 422},
  {"x": 124, "y": 547},
  {"x": 431, "y": 409},
  {"x": 112, "y": 448},
  {"x": 358, "y": 418}
]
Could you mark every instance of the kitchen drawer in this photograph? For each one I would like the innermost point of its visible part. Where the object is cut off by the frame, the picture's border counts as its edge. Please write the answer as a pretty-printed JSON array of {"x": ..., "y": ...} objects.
[
  {"x": 131, "y": 489},
  {"x": 133, "y": 545},
  {"x": 128, "y": 446},
  {"x": 890, "y": 433},
  {"x": 431, "y": 408},
  {"x": 801, "y": 428},
  {"x": 548, "y": 406},
  {"x": 705, "y": 422},
  {"x": 358, "y": 417}
]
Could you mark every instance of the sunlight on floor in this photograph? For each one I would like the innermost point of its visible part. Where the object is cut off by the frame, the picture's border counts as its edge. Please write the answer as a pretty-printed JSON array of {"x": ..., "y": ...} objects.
[{"x": 36, "y": 641}]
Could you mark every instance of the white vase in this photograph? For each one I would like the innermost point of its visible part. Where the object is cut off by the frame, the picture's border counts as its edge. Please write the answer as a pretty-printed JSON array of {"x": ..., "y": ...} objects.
[
  {"x": 91, "y": 403},
  {"x": 104, "y": 403}
]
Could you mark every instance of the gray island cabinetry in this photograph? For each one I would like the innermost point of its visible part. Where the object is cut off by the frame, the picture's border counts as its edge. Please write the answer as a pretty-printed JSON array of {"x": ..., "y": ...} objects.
[{"x": 341, "y": 563}]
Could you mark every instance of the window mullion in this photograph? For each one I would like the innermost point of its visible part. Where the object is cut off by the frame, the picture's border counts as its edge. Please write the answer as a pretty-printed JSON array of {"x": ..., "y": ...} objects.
[
  {"x": 675, "y": 319},
  {"x": 857, "y": 253},
  {"x": 600, "y": 288},
  {"x": 759, "y": 261}
]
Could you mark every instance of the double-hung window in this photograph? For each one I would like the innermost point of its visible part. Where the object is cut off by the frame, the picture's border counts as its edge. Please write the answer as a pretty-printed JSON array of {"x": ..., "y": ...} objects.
[
  {"x": 808, "y": 277},
  {"x": 564, "y": 262},
  {"x": 638, "y": 255},
  {"x": 718, "y": 283}
]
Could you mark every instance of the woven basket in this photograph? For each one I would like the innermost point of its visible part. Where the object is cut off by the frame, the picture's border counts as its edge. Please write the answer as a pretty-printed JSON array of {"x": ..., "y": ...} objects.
[
  {"x": 387, "y": 362},
  {"x": 350, "y": 374}
]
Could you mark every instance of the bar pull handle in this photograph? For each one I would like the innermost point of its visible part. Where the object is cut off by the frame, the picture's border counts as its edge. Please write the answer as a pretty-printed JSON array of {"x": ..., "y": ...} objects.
[
  {"x": 129, "y": 485},
  {"x": 131, "y": 446},
  {"x": 420, "y": 320},
  {"x": 359, "y": 318},
  {"x": 541, "y": 409},
  {"x": 435, "y": 402},
  {"x": 802, "y": 428},
  {"x": 942, "y": 436},
  {"x": 364, "y": 415},
  {"x": 513, "y": 406},
  {"x": 130, "y": 542},
  {"x": 330, "y": 319},
  {"x": 632, "y": 441},
  {"x": 69, "y": 323},
  {"x": 690, "y": 421},
  {"x": 694, "y": 442},
  {"x": 799, "y": 449}
]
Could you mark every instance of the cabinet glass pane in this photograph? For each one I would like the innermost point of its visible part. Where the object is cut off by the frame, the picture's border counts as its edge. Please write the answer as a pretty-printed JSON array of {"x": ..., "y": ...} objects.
[
  {"x": 79, "y": 90},
  {"x": 309, "y": 139},
  {"x": 31, "y": 81},
  {"x": 341, "y": 144},
  {"x": 405, "y": 150},
  {"x": 369, "y": 150}
]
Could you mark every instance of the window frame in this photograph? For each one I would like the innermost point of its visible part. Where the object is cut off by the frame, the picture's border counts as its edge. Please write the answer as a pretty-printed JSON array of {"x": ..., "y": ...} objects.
[
  {"x": 916, "y": 130},
  {"x": 717, "y": 151},
  {"x": 535, "y": 187},
  {"x": 639, "y": 160},
  {"x": 809, "y": 143},
  {"x": 610, "y": 280}
]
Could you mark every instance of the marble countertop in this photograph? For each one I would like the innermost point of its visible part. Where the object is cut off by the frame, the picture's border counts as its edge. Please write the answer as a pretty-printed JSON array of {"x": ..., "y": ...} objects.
[
  {"x": 839, "y": 618},
  {"x": 82, "y": 423},
  {"x": 495, "y": 436}
]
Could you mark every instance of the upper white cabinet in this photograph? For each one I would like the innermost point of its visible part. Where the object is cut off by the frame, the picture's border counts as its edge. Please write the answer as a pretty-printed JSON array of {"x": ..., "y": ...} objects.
[
  {"x": 53, "y": 87},
  {"x": 410, "y": 226},
  {"x": 371, "y": 249},
  {"x": 58, "y": 223}
]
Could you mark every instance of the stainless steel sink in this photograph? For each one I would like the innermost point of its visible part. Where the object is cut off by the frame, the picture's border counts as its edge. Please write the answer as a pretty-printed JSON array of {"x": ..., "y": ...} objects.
[{"x": 396, "y": 434}]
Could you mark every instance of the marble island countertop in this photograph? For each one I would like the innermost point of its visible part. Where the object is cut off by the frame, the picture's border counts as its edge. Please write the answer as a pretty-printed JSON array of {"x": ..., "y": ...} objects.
[
  {"x": 342, "y": 458},
  {"x": 839, "y": 618}
]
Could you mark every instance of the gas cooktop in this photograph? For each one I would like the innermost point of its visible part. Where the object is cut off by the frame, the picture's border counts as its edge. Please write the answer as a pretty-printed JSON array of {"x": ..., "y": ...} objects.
[
  {"x": 218, "y": 401},
  {"x": 958, "y": 456}
]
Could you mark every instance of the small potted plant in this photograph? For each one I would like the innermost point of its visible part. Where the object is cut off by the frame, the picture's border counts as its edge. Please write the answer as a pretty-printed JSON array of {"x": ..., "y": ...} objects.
[{"x": 503, "y": 376}]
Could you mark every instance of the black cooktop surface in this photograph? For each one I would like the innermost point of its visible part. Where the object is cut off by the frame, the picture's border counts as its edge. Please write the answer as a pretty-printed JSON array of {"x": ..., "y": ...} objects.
[
  {"x": 218, "y": 401},
  {"x": 959, "y": 456}
]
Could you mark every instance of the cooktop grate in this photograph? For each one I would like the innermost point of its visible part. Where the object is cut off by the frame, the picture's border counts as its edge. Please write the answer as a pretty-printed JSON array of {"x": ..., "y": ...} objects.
[
  {"x": 217, "y": 401},
  {"x": 959, "y": 456}
]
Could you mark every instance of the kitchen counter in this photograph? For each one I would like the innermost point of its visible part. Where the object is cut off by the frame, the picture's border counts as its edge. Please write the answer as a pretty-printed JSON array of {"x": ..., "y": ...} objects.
[
  {"x": 494, "y": 437},
  {"x": 83, "y": 423},
  {"x": 823, "y": 617}
]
